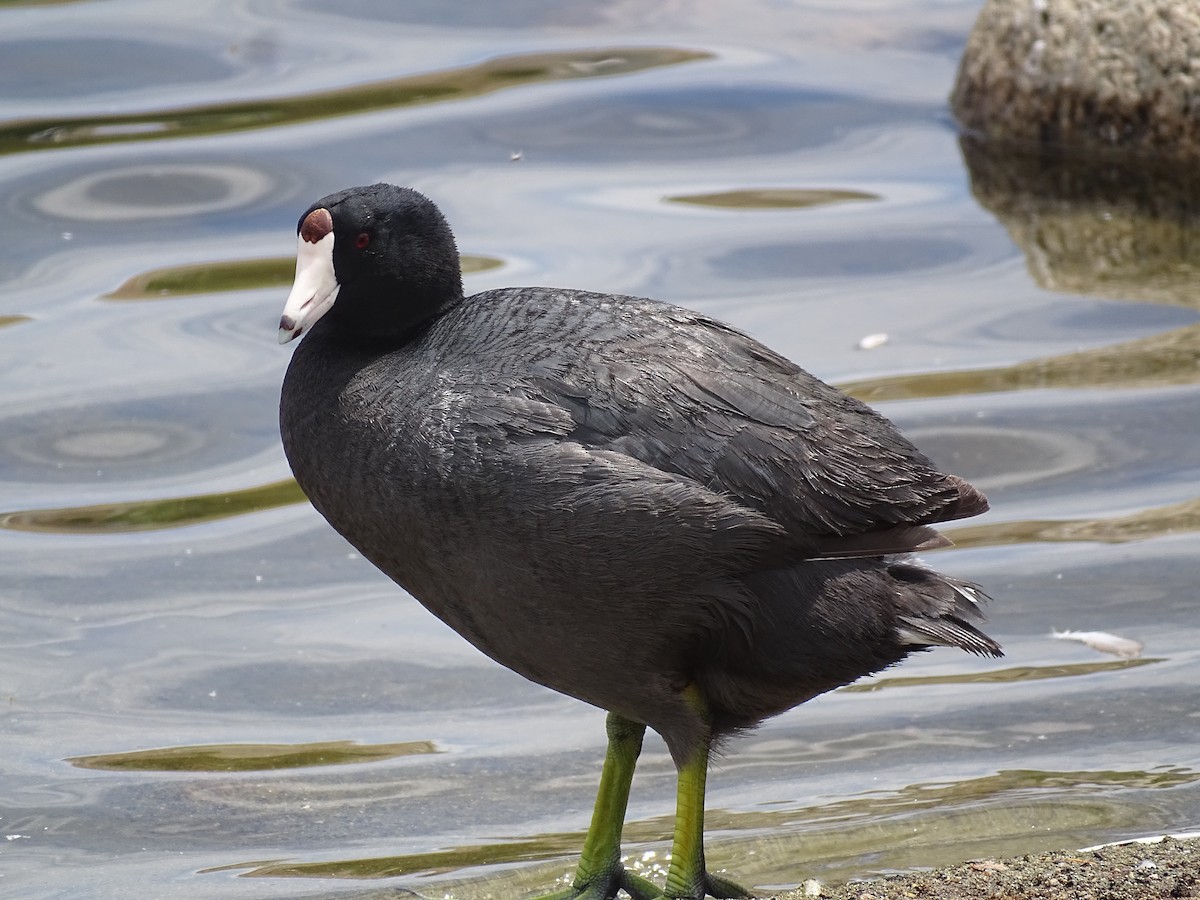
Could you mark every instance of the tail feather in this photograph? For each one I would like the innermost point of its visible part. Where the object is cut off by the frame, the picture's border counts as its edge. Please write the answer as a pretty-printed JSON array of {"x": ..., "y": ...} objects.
[
  {"x": 940, "y": 610},
  {"x": 947, "y": 631}
]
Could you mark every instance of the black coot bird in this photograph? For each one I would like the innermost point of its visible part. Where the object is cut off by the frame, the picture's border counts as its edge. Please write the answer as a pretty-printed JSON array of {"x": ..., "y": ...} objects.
[{"x": 625, "y": 501}]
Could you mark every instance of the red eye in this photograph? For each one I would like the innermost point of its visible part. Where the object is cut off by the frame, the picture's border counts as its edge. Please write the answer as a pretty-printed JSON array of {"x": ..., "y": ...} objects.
[{"x": 362, "y": 241}]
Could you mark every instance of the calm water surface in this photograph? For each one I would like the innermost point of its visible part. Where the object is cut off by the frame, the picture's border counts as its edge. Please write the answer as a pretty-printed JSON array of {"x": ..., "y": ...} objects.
[{"x": 207, "y": 694}]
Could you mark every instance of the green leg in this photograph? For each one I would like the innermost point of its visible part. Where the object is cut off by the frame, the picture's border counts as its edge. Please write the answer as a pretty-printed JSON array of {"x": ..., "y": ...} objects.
[
  {"x": 600, "y": 874},
  {"x": 688, "y": 879}
]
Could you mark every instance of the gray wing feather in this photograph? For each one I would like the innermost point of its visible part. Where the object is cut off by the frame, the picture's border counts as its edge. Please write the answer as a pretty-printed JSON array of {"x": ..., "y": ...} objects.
[{"x": 711, "y": 406}]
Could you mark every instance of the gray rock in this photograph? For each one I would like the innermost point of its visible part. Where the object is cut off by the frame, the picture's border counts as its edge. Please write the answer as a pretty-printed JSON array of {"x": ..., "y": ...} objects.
[{"x": 1084, "y": 76}]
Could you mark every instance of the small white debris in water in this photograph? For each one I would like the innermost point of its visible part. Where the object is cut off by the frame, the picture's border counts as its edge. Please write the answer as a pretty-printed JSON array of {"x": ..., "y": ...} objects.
[
  {"x": 1126, "y": 648},
  {"x": 212, "y": 694},
  {"x": 16, "y": 837},
  {"x": 871, "y": 341},
  {"x": 812, "y": 888},
  {"x": 516, "y": 156}
]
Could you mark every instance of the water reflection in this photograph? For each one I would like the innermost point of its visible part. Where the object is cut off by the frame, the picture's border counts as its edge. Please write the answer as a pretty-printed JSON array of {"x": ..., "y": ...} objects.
[
  {"x": 346, "y": 687},
  {"x": 830, "y": 259},
  {"x": 671, "y": 125},
  {"x": 1127, "y": 230},
  {"x": 100, "y": 65}
]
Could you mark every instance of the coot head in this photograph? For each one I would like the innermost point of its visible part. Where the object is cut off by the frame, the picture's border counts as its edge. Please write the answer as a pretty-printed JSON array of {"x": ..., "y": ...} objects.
[{"x": 385, "y": 255}]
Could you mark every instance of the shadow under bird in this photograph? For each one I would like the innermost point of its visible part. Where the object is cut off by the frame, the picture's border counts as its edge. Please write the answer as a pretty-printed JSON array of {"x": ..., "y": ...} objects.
[{"x": 623, "y": 500}]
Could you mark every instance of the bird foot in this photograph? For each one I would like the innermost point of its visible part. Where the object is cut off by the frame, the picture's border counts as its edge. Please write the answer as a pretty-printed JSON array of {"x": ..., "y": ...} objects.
[
  {"x": 604, "y": 886},
  {"x": 707, "y": 885}
]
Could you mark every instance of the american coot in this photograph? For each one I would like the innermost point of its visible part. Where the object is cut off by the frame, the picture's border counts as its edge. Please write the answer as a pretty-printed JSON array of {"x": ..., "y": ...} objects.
[{"x": 625, "y": 501}]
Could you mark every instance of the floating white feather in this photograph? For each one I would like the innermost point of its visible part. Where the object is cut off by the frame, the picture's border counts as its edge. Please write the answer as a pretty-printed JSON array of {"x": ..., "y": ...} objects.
[{"x": 1126, "y": 648}]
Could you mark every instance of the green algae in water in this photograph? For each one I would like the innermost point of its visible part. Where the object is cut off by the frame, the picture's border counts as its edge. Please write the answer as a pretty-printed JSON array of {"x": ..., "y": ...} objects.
[
  {"x": 417, "y": 863},
  {"x": 999, "y": 676},
  {"x": 1161, "y": 360},
  {"x": 237, "y": 275},
  {"x": 497, "y": 74},
  {"x": 772, "y": 198},
  {"x": 250, "y": 757},
  {"x": 1176, "y": 518},
  {"x": 207, "y": 278},
  {"x": 150, "y": 515}
]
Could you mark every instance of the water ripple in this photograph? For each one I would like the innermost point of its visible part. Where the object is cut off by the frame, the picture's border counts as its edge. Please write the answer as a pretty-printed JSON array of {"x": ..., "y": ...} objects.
[
  {"x": 500, "y": 73},
  {"x": 156, "y": 190}
]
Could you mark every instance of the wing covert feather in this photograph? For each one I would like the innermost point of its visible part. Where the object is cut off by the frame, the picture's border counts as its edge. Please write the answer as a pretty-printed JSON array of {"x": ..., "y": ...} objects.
[{"x": 711, "y": 406}]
